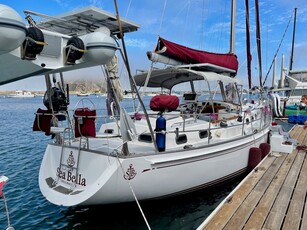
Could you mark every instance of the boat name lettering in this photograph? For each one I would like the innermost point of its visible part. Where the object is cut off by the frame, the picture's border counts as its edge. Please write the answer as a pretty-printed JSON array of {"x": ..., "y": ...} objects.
[{"x": 70, "y": 177}]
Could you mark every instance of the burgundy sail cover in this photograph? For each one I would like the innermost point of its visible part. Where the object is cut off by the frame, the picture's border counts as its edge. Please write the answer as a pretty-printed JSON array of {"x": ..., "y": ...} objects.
[{"x": 192, "y": 56}]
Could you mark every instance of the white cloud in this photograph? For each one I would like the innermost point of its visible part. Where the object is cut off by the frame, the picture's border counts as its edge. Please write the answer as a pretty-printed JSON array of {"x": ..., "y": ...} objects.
[
  {"x": 62, "y": 3},
  {"x": 139, "y": 43}
]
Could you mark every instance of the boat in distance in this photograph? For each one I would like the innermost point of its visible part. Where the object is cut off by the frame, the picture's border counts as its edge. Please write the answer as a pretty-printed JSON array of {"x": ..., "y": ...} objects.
[{"x": 21, "y": 94}]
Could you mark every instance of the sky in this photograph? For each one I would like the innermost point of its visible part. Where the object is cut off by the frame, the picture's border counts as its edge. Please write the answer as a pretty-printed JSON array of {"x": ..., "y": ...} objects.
[{"x": 199, "y": 24}]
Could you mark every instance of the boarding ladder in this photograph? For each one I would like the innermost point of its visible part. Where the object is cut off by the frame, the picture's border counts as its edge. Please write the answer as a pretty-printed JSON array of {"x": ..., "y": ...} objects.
[{"x": 80, "y": 121}]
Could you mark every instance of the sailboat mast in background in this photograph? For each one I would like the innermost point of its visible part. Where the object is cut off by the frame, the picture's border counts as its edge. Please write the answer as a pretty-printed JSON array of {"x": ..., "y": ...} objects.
[
  {"x": 233, "y": 24},
  {"x": 258, "y": 42},
  {"x": 248, "y": 52},
  {"x": 293, "y": 40}
]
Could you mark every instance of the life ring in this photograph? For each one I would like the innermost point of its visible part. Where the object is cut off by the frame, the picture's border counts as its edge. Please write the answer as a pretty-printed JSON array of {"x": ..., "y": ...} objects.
[
  {"x": 32, "y": 47},
  {"x": 72, "y": 54}
]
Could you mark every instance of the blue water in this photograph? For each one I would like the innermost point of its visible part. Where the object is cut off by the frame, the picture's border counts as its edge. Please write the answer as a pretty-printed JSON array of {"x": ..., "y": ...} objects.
[{"x": 21, "y": 152}]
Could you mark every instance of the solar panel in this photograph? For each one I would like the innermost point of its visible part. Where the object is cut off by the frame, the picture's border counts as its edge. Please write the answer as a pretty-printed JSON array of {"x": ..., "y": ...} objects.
[{"x": 82, "y": 21}]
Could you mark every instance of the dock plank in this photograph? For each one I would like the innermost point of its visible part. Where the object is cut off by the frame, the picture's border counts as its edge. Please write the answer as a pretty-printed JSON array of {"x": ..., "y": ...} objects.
[
  {"x": 304, "y": 218},
  {"x": 243, "y": 213},
  {"x": 277, "y": 213},
  {"x": 294, "y": 213},
  {"x": 272, "y": 197},
  {"x": 263, "y": 208},
  {"x": 298, "y": 133},
  {"x": 228, "y": 209}
]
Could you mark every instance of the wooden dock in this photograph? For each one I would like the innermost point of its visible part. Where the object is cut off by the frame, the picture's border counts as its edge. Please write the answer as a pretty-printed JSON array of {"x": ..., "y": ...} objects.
[{"x": 273, "y": 196}]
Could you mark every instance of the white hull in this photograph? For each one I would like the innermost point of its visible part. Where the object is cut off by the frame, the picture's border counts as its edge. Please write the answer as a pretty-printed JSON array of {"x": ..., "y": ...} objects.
[
  {"x": 101, "y": 178},
  {"x": 83, "y": 94}
]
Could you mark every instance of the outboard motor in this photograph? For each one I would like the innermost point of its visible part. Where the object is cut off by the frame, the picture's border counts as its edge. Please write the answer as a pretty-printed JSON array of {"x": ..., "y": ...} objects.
[
  {"x": 58, "y": 99},
  {"x": 160, "y": 132}
]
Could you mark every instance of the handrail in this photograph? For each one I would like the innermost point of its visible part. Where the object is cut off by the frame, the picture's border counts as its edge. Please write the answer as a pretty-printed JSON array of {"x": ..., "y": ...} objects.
[{"x": 258, "y": 123}]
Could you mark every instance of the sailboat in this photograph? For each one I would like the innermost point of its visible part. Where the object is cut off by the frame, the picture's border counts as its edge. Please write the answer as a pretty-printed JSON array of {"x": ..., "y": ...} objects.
[
  {"x": 293, "y": 83},
  {"x": 168, "y": 149}
]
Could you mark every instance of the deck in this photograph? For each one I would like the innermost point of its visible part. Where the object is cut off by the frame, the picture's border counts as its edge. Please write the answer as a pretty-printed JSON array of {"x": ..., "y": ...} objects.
[{"x": 273, "y": 196}]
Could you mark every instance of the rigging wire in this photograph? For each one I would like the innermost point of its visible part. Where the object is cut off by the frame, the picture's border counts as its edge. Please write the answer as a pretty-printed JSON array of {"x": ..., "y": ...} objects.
[
  {"x": 175, "y": 17},
  {"x": 277, "y": 50},
  {"x": 128, "y": 8},
  {"x": 185, "y": 24},
  {"x": 162, "y": 17}
]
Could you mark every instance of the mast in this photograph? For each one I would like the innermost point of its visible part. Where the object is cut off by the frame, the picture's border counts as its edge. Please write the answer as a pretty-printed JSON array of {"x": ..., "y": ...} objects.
[
  {"x": 233, "y": 24},
  {"x": 248, "y": 52},
  {"x": 293, "y": 38},
  {"x": 132, "y": 82},
  {"x": 258, "y": 41}
]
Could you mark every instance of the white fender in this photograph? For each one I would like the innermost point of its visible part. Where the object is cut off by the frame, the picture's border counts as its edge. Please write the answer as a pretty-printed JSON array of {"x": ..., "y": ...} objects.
[
  {"x": 12, "y": 29},
  {"x": 277, "y": 98},
  {"x": 276, "y": 104},
  {"x": 273, "y": 100}
]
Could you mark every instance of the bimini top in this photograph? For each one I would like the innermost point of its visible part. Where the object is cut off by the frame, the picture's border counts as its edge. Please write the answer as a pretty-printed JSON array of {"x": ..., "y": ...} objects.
[
  {"x": 82, "y": 21},
  {"x": 169, "y": 77}
]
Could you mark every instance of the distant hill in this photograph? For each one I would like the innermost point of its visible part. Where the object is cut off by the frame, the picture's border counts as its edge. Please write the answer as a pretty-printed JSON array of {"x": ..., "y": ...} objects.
[{"x": 87, "y": 86}]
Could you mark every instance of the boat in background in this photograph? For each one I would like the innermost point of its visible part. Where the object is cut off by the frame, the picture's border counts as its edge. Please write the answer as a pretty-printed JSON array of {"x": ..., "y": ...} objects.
[
  {"x": 21, "y": 94},
  {"x": 295, "y": 82},
  {"x": 83, "y": 94}
]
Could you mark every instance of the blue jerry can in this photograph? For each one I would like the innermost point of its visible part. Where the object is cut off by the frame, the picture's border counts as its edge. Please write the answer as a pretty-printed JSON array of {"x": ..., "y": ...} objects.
[{"x": 160, "y": 135}]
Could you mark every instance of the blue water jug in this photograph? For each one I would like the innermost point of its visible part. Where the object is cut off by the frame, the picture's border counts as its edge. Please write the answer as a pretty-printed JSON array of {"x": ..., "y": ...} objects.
[{"x": 160, "y": 136}]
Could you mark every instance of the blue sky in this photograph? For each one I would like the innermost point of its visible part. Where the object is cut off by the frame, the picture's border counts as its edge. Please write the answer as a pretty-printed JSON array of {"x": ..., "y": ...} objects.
[{"x": 199, "y": 24}]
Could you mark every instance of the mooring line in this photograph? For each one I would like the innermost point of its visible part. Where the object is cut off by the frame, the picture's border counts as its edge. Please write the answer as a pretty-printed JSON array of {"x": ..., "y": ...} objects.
[{"x": 136, "y": 200}]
